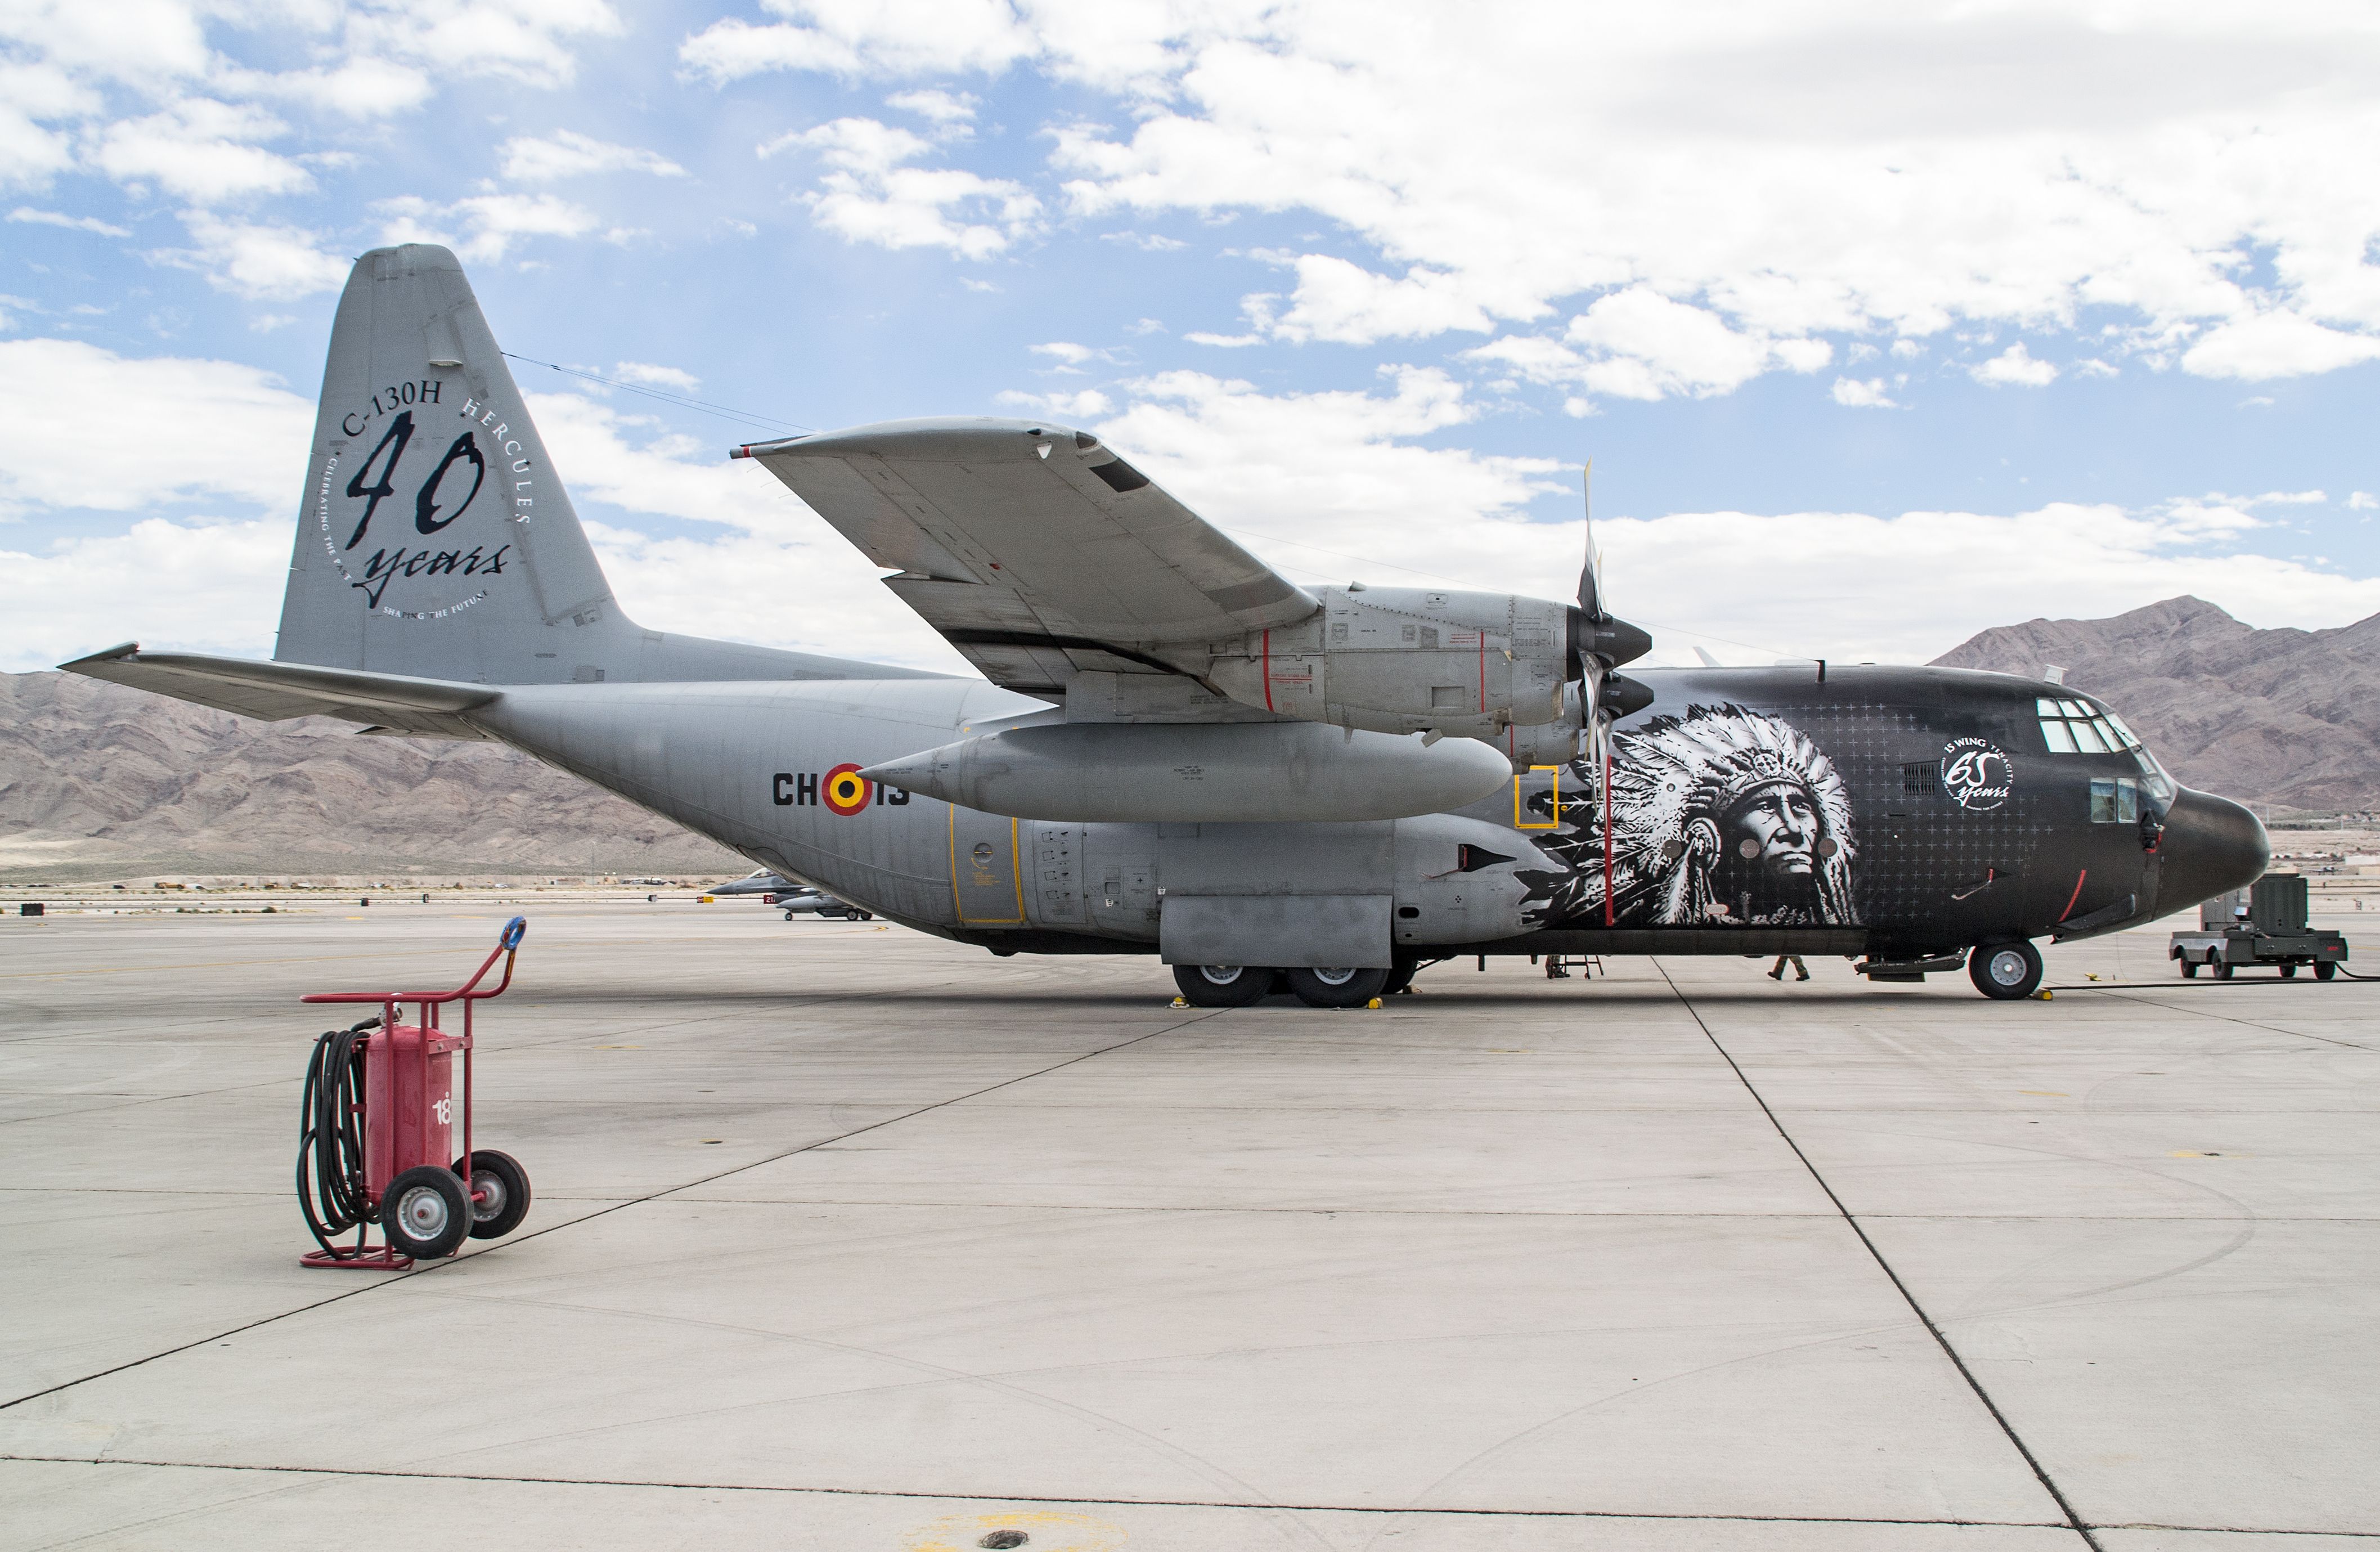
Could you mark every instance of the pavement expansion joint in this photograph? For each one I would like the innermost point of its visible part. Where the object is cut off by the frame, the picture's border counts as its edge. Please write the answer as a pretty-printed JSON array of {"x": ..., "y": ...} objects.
[
  {"x": 939, "y": 1494},
  {"x": 2041, "y": 1474}
]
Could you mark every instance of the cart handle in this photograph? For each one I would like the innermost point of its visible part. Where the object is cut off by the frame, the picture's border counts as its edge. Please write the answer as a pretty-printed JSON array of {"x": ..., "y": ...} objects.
[{"x": 507, "y": 946}]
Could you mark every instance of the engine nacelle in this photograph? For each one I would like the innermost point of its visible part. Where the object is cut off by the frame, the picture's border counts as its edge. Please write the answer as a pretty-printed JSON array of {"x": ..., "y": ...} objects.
[{"x": 1407, "y": 659}]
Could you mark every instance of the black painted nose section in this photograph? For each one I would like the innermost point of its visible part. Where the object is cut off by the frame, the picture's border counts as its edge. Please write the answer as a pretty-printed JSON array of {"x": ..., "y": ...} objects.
[{"x": 2211, "y": 844}]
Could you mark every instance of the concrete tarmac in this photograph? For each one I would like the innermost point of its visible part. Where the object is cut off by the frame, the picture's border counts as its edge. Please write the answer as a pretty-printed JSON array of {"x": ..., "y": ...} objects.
[{"x": 847, "y": 1239}]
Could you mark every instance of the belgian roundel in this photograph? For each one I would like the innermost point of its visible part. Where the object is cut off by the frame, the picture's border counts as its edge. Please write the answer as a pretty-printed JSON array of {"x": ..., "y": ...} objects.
[{"x": 844, "y": 790}]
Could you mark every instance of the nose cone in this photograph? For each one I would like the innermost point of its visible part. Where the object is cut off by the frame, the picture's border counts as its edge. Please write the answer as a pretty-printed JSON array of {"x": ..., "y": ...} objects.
[{"x": 2211, "y": 844}]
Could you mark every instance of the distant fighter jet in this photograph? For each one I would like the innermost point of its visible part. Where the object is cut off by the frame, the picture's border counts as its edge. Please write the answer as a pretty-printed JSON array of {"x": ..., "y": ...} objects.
[
  {"x": 762, "y": 883},
  {"x": 1175, "y": 750}
]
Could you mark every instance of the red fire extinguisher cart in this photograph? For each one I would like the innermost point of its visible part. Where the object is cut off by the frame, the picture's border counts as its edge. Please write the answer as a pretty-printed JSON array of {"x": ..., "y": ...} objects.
[{"x": 377, "y": 1124}]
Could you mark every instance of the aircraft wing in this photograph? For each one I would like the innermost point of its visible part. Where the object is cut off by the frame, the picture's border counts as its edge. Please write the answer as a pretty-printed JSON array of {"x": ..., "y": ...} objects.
[
  {"x": 1034, "y": 550},
  {"x": 275, "y": 692}
]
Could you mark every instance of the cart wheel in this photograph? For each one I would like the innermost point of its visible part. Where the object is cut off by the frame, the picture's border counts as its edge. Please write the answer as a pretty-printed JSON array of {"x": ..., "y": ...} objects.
[
  {"x": 2324, "y": 970},
  {"x": 506, "y": 1183},
  {"x": 2188, "y": 969},
  {"x": 2289, "y": 971},
  {"x": 2222, "y": 969},
  {"x": 424, "y": 1213}
]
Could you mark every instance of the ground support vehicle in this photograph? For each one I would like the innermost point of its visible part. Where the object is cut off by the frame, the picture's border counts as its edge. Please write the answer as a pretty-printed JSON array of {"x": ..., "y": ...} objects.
[{"x": 2261, "y": 926}]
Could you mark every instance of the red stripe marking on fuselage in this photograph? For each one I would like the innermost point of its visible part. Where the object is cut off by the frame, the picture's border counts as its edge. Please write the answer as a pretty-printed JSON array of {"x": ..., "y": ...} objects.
[{"x": 2075, "y": 896}]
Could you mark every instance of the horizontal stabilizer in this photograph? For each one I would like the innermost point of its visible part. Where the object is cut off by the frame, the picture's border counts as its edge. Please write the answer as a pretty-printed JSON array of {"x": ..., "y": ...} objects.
[{"x": 278, "y": 691}]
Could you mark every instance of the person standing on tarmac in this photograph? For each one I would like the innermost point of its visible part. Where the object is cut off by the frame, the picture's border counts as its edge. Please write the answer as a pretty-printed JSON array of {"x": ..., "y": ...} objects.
[{"x": 1777, "y": 972}]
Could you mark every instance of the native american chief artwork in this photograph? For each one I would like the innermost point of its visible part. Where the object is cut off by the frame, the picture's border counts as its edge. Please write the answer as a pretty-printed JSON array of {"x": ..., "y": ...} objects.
[{"x": 1724, "y": 817}]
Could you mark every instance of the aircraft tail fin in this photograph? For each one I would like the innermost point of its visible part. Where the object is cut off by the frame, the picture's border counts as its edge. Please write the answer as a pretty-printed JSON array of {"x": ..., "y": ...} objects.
[{"x": 436, "y": 539}]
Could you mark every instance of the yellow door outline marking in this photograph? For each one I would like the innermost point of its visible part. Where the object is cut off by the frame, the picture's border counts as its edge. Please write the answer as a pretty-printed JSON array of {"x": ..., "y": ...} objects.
[
  {"x": 1015, "y": 878},
  {"x": 1554, "y": 823}
]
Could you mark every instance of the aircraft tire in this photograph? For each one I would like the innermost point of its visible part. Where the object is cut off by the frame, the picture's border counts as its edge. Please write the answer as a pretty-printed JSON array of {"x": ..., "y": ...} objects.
[
  {"x": 1332, "y": 987},
  {"x": 1400, "y": 977},
  {"x": 2324, "y": 970},
  {"x": 1222, "y": 986},
  {"x": 2005, "y": 970}
]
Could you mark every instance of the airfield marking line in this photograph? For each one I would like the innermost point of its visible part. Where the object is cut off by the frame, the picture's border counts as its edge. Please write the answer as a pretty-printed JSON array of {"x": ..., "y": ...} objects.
[
  {"x": 420, "y": 1270},
  {"x": 238, "y": 964},
  {"x": 1941, "y": 1340},
  {"x": 378, "y": 1472},
  {"x": 2245, "y": 1023}
]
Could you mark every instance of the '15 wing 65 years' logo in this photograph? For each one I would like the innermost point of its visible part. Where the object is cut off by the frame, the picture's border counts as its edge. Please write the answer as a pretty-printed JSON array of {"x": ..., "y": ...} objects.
[
  {"x": 425, "y": 568},
  {"x": 1976, "y": 774}
]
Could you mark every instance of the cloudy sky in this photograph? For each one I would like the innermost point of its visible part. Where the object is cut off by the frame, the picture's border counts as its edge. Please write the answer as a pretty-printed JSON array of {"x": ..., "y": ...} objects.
[{"x": 1882, "y": 323}]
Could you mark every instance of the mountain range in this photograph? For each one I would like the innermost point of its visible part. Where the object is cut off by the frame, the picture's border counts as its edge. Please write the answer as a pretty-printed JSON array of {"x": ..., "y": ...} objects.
[{"x": 99, "y": 782}]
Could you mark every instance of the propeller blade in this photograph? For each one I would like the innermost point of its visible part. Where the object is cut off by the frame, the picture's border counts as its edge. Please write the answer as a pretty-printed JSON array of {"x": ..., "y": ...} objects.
[{"x": 1590, "y": 584}]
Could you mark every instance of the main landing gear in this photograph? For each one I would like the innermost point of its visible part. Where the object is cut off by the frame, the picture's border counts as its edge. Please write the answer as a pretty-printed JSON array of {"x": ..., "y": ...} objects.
[{"x": 1238, "y": 986}]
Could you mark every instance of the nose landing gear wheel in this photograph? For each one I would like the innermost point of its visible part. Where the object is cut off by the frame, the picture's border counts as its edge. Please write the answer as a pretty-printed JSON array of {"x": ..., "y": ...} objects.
[
  {"x": 1337, "y": 987},
  {"x": 2005, "y": 971},
  {"x": 424, "y": 1213},
  {"x": 1222, "y": 985},
  {"x": 501, "y": 1187}
]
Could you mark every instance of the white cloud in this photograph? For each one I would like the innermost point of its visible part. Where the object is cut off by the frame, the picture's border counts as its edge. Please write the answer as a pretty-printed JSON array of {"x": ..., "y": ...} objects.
[
  {"x": 2015, "y": 365},
  {"x": 526, "y": 41},
  {"x": 1828, "y": 170},
  {"x": 1068, "y": 354},
  {"x": 1335, "y": 468},
  {"x": 863, "y": 38},
  {"x": 82, "y": 427},
  {"x": 71, "y": 223},
  {"x": 567, "y": 153},
  {"x": 2290, "y": 498},
  {"x": 197, "y": 586},
  {"x": 495, "y": 221},
  {"x": 2362, "y": 500},
  {"x": 658, "y": 377},
  {"x": 255, "y": 260},
  {"x": 201, "y": 150},
  {"x": 2279, "y": 343},
  {"x": 1346, "y": 303},
  {"x": 870, "y": 196},
  {"x": 1868, "y": 394},
  {"x": 952, "y": 111},
  {"x": 1641, "y": 345}
]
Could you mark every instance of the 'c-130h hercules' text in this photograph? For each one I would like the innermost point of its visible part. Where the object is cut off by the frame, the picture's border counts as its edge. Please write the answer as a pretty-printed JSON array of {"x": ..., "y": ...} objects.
[{"x": 436, "y": 494}]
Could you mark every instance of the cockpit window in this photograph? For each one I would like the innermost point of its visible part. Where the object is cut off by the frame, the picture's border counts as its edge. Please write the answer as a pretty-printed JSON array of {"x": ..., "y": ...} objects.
[{"x": 2074, "y": 727}]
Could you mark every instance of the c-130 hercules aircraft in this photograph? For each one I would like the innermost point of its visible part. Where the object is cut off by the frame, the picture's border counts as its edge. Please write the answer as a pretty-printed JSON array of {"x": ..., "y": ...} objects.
[{"x": 1178, "y": 750}]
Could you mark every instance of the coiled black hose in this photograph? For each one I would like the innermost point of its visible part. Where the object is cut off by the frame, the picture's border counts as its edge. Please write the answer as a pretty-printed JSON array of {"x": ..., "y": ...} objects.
[{"x": 330, "y": 1137}]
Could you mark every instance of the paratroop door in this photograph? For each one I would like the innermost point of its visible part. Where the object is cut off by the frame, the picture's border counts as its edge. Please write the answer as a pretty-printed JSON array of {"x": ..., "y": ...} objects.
[{"x": 984, "y": 881}]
